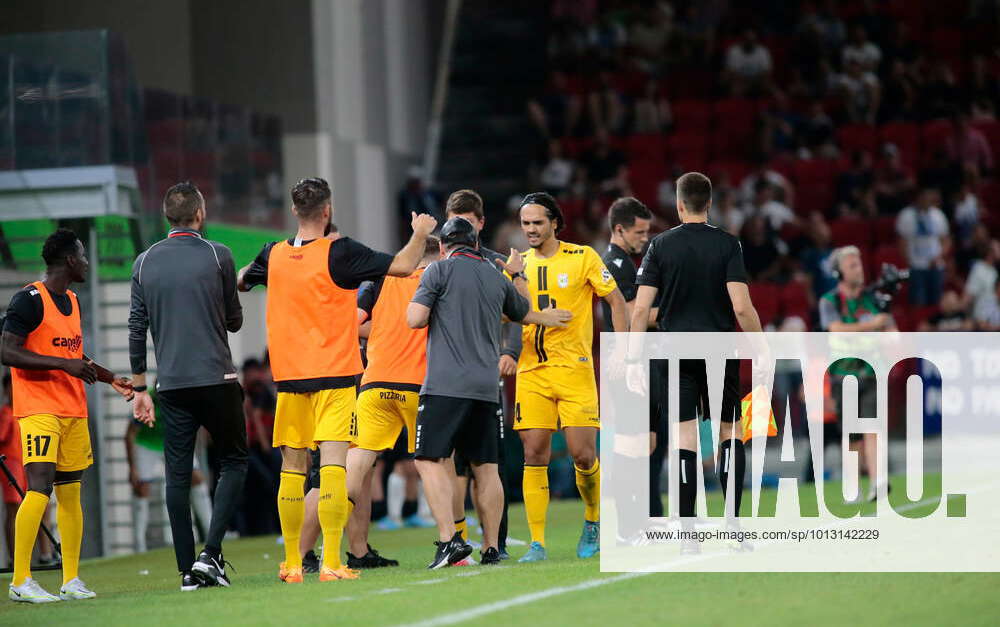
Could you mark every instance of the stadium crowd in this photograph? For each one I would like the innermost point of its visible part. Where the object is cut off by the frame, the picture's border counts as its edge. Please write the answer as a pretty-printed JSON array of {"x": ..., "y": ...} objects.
[{"x": 821, "y": 124}]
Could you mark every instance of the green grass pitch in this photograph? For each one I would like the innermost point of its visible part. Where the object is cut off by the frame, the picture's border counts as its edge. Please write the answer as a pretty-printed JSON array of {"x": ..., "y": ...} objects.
[{"x": 511, "y": 594}]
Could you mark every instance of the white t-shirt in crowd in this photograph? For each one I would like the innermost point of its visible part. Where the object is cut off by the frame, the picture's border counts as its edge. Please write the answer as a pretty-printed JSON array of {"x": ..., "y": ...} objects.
[
  {"x": 748, "y": 64},
  {"x": 981, "y": 286},
  {"x": 922, "y": 231},
  {"x": 557, "y": 174},
  {"x": 867, "y": 54}
]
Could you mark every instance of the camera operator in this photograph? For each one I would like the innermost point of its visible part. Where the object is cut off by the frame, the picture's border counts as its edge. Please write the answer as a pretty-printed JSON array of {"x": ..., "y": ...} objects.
[{"x": 850, "y": 307}]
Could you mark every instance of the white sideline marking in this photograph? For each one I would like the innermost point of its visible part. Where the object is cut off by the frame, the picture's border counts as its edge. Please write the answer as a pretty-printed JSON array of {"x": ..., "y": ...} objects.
[
  {"x": 337, "y": 599},
  {"x": 427, "y": 582},
  {"x": 525, "y": 599},
  {"x": 469, "y": 573}
]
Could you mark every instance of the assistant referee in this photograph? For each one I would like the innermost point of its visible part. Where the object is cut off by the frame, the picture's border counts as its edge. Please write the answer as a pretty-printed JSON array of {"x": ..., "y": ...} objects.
[
  {"x": 698, "y": 272},
  {"x": 184, "y": 293}
]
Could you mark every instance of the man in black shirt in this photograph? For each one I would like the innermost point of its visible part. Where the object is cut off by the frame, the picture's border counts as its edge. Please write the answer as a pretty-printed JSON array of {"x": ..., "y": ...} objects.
[
  {"x": 698, "y": 272},
  {"x": 629, "y": 220}
]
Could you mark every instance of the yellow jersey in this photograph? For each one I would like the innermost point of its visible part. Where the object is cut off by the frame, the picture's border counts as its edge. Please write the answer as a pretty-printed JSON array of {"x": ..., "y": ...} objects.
[{"x": 569, "y": 279}]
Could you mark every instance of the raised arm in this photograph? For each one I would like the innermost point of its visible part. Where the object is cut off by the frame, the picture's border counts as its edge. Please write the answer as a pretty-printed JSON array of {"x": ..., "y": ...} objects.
[{"x": 407, "y": 259}]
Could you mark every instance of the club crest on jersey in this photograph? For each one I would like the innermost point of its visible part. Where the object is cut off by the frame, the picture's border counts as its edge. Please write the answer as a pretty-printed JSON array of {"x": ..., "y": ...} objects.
[
  {"x": 605, "y": 275},
  {"x": 563, "y": 280}
]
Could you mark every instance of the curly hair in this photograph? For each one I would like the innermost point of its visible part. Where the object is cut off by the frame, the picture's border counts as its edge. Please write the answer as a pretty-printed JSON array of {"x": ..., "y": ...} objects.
[
  {"x": 59, "y": 246},
  {"x": 309, "y": 196}
]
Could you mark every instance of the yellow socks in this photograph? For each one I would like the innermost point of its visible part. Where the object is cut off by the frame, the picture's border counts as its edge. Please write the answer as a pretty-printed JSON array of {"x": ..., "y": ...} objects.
[
  {"x": 291, "y": 512},
  {"x": 536, "y": 500},
  {"x": 463, "y": 528},
  {"x": 588, "y": 482},
  {"x": 29, "y": 516},
  {"x": 69, "y": 516},
  {"x": 333, "y": 512}
]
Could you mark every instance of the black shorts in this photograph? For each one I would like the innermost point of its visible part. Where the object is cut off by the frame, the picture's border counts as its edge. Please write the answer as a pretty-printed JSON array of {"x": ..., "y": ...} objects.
[
  {"x": 692, "y": 387},
  {"x": 462, "y": 467},
  {"x": 446, "y": 424}
]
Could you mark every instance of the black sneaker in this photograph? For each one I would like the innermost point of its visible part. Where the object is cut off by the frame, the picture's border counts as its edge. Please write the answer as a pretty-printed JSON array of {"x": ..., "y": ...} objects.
[
  {"x": 490, "y": 558},
  {"x": 450, "y": 552},
  {"x": 310, "y": 562},
  {"x": 211, "y": 571},
  {"x": 371, "y": 559},
  {"x": 189, "y": 582}
]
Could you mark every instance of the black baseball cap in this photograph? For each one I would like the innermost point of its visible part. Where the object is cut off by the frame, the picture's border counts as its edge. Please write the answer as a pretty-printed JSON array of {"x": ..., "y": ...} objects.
[{"x": 458, "y": 231}]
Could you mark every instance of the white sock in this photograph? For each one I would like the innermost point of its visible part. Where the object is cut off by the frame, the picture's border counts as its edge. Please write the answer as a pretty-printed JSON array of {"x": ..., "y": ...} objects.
[
  {"x": 201, "y": 504},
  {"x": 140, "y": 513},
  {"x": 395, "y": 494}
]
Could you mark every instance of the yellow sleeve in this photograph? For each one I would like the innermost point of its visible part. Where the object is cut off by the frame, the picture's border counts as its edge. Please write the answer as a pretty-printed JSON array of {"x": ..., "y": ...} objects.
[{"x": 597, "y": 275}]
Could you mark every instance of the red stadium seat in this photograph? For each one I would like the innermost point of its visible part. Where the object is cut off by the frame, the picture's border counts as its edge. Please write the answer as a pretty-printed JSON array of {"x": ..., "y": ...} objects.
[
  {"x": 811, "y": 198},
  {"x": 946, "y": 42},
  {"x": 851, "y": 232},
  {"x": 888, "y": 253},
  {"x": 736, "y": 170},
  {"x": 991, "y": 129},
  {"x": 858, "y": 137},
  {"x": 885, "y": 230},
  {"x": 795, "y": 301},
  {"x": 932, "y": 137},
  {"x": 738, "y": 114},
  {"x": 651, "y": 147},
  {"x": 575, "y": 146},
  {"x": 766, "y": 299},
  {"x": 814, "y": 172},
  {"x": 691, "y": 115},
  {"x": 731, "y": 143},
  {"x": 645, "y": 176},
  {"x": 688, "y": 149},
  {"x": 906, "y": 137}
]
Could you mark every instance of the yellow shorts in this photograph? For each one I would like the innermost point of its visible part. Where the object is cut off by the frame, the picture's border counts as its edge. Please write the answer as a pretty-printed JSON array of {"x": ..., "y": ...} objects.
[
  {"x": 554, "y": 398},
  {"x": 382, "y": 414},
  {"x": 64, "y": 442},
  {"x": 303, "y": 420}
]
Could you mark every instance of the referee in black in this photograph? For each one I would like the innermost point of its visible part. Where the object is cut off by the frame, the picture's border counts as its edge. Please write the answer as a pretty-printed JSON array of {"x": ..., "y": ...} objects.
[
  {"x": 184, "y": 293},
  {"x": 698, "y": 272}
]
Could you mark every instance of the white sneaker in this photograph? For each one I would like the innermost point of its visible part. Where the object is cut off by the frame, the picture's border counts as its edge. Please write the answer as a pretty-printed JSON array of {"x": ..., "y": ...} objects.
[
  {"x": 76, "y": 590},
  {"x": 30, "y": 592}
]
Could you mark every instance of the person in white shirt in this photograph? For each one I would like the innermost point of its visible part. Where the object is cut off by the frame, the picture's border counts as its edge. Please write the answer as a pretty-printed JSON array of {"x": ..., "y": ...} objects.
[
  {"x": 748, "y": 63},
  {"x": 980, "y": 287},
  {"x": 862, "y": 51},
  {"x": 557, "y": 173},
  {"x": 924, "y": 229},
  {"x": 776, "y": 213}
]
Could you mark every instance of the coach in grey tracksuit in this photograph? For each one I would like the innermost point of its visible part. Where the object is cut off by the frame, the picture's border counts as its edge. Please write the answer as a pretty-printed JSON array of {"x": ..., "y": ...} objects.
[{"x": 184, "y": 293}]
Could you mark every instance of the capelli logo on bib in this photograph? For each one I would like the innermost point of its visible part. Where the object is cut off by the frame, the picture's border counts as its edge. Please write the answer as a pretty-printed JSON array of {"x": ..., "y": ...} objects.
[{"x": 72, "y": 343}]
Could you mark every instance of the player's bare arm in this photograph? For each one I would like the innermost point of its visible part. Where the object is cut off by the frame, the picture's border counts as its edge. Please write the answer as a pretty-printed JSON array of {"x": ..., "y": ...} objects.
[
  {"x": 407, "y": 259},
  {"x": 746, "y": 313},
  {"x": 15, "y": 355},
  {"x": 641, "y": 310},
  {"x": 417, "y": 315}
]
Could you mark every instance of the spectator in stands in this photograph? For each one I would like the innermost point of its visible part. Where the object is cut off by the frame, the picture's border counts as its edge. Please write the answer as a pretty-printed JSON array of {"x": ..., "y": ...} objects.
[
  {"x": 607, "y": 36},
  {"x": 652, "y": 113},
  {"x": 817, "y": 130},
  {"x": 861, "y": 91},
  {"x": 649, "y": 35},
  {"x": 966, "y": 209},
  {"x": 556, "y": 174},
  {"x": 980, "y": 287},
  {"x": 777, "y": 214},
  {"x": 939, "y": 93},
  {"x": 509, "y": 234},
  {"x": 983, "y": 85},
  {"x": 780, "y": 122},
  {"x": 725, "y": 214},
  {"x": 762, "y": 171},
  {"x": 899, "y": 95},
  {"x": 606, "y": 104},
  {"x": 415, "y": 198},
  {"x": 951, "y": 317},
  {"x": 748, "y": 65},
  {"x": 855, "y": 178},
  {"x": 605, "y": 166},
  {"x": 894, "y": 181},
  {"x": 924, "y": 230},
  {"x": 861, "y": 51},
  {"x": 556, "y": 111},
  {"x": 763, "y": 254},
  {"x": 815, "y": 256},
  {"x": 968, "y": 146}
]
